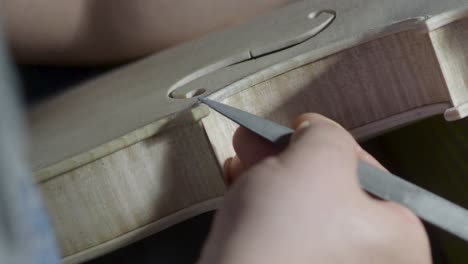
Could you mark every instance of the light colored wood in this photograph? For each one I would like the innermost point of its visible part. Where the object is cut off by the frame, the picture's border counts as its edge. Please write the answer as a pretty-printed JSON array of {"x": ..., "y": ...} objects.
[
  {"x": 450, "y": 44},
  {"x": 137, "y": 95},
  {"x": 377, "y": 81},
  {"x": 130, "y": 98},
  {"x": 124, "y": 161},
  {"x": 127, "y": 140},
  {"x": 145, "y": 231},
  {"x": 140, "y": 187},
  {"x": 370, "y": 104}
]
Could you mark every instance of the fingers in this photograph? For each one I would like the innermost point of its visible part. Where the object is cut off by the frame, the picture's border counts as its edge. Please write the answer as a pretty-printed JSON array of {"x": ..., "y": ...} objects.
[
  {"x": 233, "y": 168},
  {"x": 322, "y": 141},
  {"x": 313, "y": 183},
  {"x": 250, "y": 149},
  {"x": 314, "y": 132},
  {"x": 361, "y": 153},
  {"x": 404, "y": 213},
  {"x": 321, "y": 147}
]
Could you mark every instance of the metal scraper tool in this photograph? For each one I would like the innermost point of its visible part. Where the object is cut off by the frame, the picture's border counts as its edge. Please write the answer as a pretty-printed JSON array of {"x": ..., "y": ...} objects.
[{"x": 428, "y": 206}]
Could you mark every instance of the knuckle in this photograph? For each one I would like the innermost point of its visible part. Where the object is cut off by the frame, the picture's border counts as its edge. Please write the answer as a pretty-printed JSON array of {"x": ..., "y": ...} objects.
[
  {"x": 268, "y": 171},
  {"x": 315, "y": 118},
  {"x": 270, "y": 164},
  {"x": 312, "y": 117},
  {"x": 329, "y": 136},
  {"x": 398, "y": 227}
]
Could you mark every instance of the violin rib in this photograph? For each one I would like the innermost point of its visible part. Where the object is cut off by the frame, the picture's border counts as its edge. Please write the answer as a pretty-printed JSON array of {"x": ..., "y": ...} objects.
[{"x": 117, "y": 160}]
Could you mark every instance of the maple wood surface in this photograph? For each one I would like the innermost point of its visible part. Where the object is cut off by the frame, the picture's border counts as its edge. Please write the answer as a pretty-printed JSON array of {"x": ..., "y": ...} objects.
[{"x": 169, "y": 169}]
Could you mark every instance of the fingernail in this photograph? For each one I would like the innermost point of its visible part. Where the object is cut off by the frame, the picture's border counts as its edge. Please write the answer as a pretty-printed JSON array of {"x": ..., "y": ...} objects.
[{"x": 303, "y": 125}]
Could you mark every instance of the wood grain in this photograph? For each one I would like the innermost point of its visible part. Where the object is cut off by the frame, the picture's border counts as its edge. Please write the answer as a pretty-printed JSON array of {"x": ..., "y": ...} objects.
[
  {"x": 127, "y": 140},
  {"x": 357, "y": 87},
  {"x": 139, "y": 175},
  {"x": 131, "y": 193},
  {"x": 452, "y": 52},
  {"x": 132, "y": 188},
  {"x": 136, "y": 95}
]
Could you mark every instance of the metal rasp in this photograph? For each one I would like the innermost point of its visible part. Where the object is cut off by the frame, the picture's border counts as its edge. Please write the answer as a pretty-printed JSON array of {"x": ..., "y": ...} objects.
[{"x": 428, "y": 206}]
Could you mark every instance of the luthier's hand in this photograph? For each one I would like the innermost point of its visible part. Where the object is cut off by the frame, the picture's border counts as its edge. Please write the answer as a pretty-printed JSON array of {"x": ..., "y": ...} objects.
[{"x": 304, "y": 205}]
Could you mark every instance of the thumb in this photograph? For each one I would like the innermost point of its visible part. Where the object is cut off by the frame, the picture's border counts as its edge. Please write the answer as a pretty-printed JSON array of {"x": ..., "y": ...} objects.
[{"x": 320, "y": 147}]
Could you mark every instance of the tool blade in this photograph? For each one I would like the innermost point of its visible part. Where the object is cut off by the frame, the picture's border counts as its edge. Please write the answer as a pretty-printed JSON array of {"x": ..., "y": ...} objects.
[{"x": 428, "y": 206}]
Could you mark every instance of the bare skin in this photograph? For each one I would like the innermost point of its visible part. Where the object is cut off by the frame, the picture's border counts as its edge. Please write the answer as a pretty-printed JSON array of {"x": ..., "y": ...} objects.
[
  {"x": 304, "y": 205},
  {"x": 108, "y": 31}
]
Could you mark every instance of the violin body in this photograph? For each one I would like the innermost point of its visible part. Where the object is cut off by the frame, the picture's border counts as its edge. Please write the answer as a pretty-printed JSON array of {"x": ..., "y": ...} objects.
[{"x": 124, "y": 156}]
